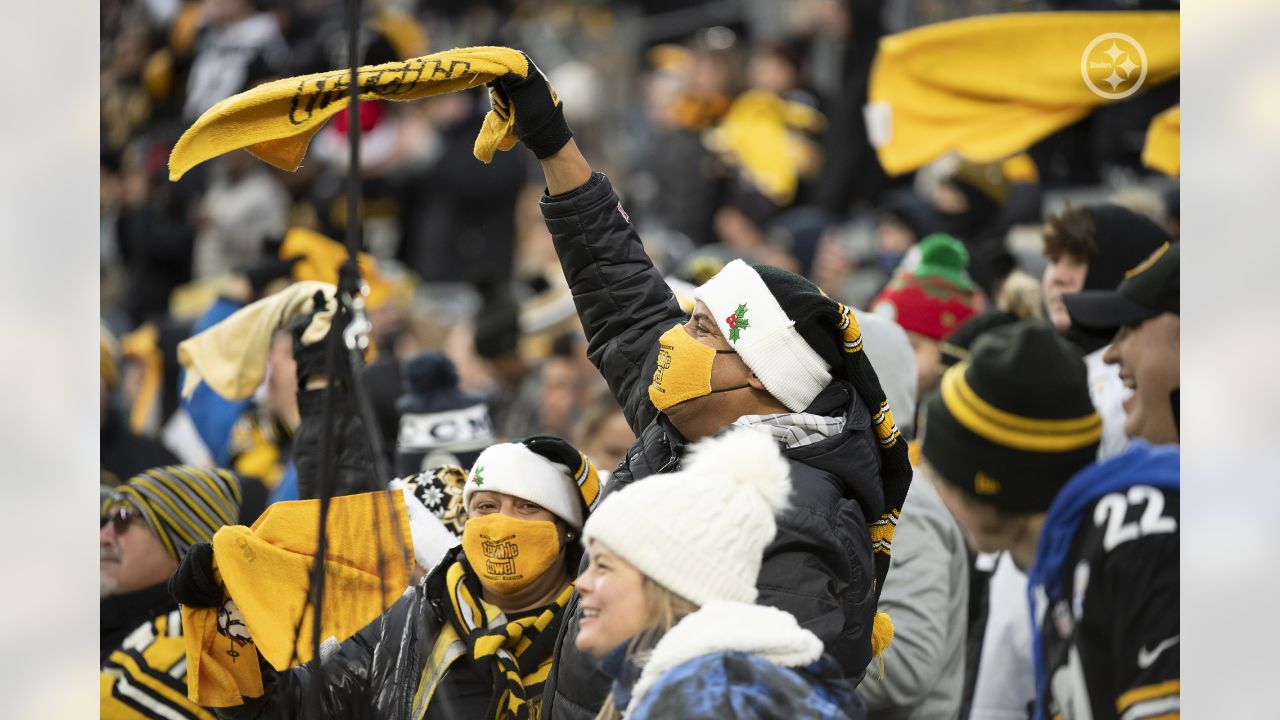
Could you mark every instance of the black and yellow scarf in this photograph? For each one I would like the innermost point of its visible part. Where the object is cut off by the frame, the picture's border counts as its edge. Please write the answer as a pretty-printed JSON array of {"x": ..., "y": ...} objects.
[{"x": 516, "y": 654}]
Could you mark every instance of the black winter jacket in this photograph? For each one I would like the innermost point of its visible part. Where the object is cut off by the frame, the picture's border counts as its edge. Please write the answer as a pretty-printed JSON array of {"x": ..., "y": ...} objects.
[
  {"x": 373, "y": 674},
  {"x": 819, "y": 567}
]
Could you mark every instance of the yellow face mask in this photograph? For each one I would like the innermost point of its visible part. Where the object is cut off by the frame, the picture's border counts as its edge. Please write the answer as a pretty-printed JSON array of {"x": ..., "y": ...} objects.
[
  {"x": 509, "y": 553},
  {"x": 684, "y": 369}
]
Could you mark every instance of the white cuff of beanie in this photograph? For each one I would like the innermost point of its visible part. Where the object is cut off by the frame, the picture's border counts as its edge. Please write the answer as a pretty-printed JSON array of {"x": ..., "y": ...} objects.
[{"x": 791, "y": 371}]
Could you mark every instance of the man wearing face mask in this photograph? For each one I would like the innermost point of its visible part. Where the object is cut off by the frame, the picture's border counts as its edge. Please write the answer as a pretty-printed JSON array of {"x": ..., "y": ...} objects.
[
  {"x": 764, "y": 348},
  {"x": 475, "y": 638}
]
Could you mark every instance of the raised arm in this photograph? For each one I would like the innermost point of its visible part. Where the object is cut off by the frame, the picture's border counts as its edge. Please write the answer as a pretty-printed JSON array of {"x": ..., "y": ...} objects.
[{"x": 622, "y": 300}]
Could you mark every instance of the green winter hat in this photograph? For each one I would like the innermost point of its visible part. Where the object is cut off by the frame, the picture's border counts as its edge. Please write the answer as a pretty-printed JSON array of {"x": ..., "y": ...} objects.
[{"x": 945, "y": 257}]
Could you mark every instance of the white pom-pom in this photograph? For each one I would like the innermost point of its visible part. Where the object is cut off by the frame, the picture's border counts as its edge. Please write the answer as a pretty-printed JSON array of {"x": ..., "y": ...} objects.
[{"x": 750, "y": 458}]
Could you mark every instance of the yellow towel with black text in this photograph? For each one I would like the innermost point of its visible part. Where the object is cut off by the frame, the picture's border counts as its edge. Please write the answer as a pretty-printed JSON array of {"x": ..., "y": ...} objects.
[
  {"x": 266, "y": 572},
  {"x": 988, "y": 87},
  {"x": 276, "y": 120}
]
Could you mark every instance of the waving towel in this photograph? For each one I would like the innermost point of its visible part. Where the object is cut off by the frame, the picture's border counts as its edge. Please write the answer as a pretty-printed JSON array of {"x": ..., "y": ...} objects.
[
  {"x": 988, "y": 87},
  {"x": 276, "y": 121},
  {"x": 231, "y": 357},
  {"x": 265, "y": 571}
]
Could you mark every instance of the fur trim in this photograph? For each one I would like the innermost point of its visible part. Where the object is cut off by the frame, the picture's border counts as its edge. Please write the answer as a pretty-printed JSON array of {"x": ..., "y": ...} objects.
[{"x": 718, "y": 626}]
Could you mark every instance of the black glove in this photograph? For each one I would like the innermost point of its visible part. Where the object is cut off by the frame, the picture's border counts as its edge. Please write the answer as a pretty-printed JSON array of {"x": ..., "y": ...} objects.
[
  {"x": 192, "y": 584},
  {"x": 538, "y": 111}
]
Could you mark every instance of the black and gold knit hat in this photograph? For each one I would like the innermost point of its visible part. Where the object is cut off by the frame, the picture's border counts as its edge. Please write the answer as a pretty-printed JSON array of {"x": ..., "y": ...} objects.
[
  {"x": 183, "y": 504},
  {"x": 1014, "y": 422}
]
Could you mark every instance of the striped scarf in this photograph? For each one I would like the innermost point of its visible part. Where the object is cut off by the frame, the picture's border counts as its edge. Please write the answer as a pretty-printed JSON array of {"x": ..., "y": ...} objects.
[{"x": 517, "y": 654}]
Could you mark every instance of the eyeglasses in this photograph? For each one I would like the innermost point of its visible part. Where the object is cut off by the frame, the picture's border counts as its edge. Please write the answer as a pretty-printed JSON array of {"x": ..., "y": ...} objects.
[{"x": 120, "y": 517}]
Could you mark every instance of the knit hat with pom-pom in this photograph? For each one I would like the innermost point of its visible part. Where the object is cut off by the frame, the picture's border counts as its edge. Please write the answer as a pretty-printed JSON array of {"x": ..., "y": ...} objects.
[
  {"x": 439, "y": 423},
  {"x": 935, "y": 297},
  {"x": 701, "y": 532}
]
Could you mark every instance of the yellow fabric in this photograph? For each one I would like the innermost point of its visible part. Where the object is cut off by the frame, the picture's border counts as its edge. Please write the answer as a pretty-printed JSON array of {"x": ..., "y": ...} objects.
[
  {"x": 988, "y": 87},
  {"x": 108, "y": 349},
  {"x": 143, "y": 345},
  {"x": 146, "y": 671},
  {"x": 1162, "y": 150},
  {"x": 320, "y": 258},
  {"x": 759, "y": 134},
  {"x": 406, "y": 35},
  {"x": 485, "y": 638},
  {"x": 683, "y": 371},
  {"x": 1010, "y": 430},
  {"x": 222, "y": 666},
  {"x": 1020, "y": 168},
  {"x": 881, "y": 633},
  {"x": 1147, "y": 692},
  {"x": 276, "y": 121},
  {"x": 232, "y": 355},
  {"x": 266, "y": 572},
  {"x": 508, "y": 553}
]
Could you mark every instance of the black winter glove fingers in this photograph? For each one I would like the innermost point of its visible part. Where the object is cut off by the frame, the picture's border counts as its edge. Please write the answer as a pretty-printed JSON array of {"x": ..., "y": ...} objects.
[
  {"x": 192, "y": 584},
  {"x": 538, "y": 111}
]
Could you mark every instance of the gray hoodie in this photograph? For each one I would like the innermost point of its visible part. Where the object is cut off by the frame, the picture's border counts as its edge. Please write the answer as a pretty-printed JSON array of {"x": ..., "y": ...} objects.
[{"x": 927, "y": 590}]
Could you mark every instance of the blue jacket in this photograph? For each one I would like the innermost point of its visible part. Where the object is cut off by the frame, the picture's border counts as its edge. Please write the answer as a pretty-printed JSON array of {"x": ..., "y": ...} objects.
[
  {"x": 730, "y": 684},
  {"x": 734, "y": 660}
]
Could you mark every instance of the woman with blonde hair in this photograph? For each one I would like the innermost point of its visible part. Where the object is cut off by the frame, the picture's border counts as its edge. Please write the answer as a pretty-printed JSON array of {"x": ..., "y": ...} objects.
[{"x": 668, "y": 596}]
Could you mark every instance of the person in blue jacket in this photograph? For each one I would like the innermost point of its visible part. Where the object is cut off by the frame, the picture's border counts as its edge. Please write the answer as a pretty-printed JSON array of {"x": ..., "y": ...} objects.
[{"x": 668, "y": 596}]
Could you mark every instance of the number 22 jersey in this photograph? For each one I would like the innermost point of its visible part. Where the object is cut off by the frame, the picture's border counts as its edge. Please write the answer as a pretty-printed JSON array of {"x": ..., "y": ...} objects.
[{"x": 1105, "y": 596}]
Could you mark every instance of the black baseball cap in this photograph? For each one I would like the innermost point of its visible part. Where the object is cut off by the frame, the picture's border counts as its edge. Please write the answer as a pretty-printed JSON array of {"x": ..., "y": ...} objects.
[{"x": 1151, "y": 288}]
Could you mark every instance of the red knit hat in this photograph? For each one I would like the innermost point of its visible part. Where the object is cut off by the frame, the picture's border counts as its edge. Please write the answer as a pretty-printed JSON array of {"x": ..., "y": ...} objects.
[{"x": 936, "y": 296}]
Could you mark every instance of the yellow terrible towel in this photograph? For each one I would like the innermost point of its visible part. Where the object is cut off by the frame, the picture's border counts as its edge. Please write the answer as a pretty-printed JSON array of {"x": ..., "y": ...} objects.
[
  {"x": 1162, "y": 150},
  {"x": 266, "y": 572},
  {"x": 232, "y": 355},
  {"x": 276, "y": 121},
  {"x": 988, "y": 87}
]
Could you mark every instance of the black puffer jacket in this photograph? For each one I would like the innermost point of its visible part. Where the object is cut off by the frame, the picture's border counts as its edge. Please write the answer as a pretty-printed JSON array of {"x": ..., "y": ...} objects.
[
  {"x": 374, "y": 673},
  {"x": 819, "y": 567}
]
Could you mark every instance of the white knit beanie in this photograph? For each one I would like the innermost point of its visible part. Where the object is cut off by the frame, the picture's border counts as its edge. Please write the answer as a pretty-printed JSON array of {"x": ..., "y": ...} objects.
[
  {"x": 701, "y": 532},
  {"x": 764, "y": 336},
  {"x": 513, "y": 469}
]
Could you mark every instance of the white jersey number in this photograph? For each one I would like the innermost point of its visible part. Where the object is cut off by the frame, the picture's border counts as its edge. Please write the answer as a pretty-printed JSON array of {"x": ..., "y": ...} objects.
[{"x": 1112, "y": 509}]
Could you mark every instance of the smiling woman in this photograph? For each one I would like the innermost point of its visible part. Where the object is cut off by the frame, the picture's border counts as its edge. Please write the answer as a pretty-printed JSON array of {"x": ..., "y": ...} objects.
[{"x": 668, "y": 597}]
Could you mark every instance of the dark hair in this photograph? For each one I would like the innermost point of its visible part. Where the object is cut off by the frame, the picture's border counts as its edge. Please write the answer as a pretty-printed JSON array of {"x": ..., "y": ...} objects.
[{"x": 1070, "y": 232}]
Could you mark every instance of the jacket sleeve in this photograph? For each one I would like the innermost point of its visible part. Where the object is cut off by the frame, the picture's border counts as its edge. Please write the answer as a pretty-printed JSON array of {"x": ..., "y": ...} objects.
[
  {"x": 919, "y": 596},
  {"x": 622, "y": 300},
  {"x": 348, "y": 684}
]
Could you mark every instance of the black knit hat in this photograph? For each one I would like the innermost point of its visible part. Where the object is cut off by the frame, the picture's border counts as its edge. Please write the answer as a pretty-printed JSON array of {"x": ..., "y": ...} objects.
[
  {"x": 955, "y": 347},
  {"x": 831, "y": 329},
  {"x": 1012, "y": 424},
  {"x": 439, "y": 423},
  {"x": 1122, "y": 238}
]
